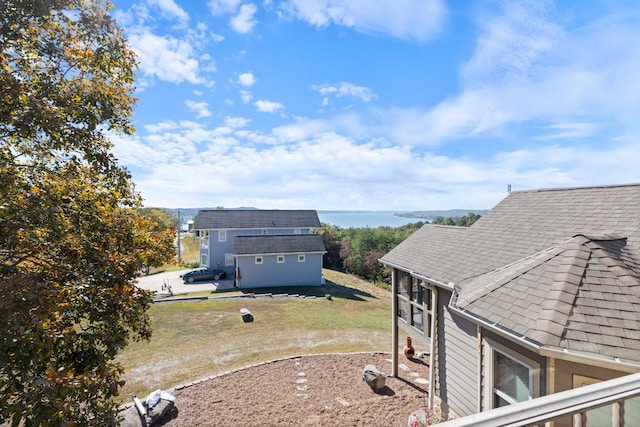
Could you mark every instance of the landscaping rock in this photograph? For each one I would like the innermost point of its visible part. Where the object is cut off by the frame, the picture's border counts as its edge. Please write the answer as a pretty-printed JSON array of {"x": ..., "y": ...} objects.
[
  {"x": 133, "y": 417},
  {"x": 247, "y": 317},
  {"x": 374, "y": 378}
]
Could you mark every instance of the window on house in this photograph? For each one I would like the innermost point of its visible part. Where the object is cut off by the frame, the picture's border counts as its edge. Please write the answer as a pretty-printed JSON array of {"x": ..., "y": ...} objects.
[
  {"x": 264, "y": 231},
  {"x": 514, "y": 377},
  {"x": 228, "y": 259},
  {"x": 297, "y": 231},
  {"x": 203, "y": 260},
  {"x": 222, "y": 235},
  {"x": 280, "y": 259},
  {"x": 301, "y": 258},
  {"x": 258, "y": 260},
  {"x": 415, "y": 302}
]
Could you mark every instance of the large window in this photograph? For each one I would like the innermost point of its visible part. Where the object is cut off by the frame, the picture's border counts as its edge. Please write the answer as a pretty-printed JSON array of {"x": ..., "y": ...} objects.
[
  {"x": 415, "y": 302},
  {"x": 514, "y": 377}
]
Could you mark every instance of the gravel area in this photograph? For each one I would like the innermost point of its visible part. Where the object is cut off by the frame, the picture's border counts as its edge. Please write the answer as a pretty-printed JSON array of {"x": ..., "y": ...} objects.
[{"x": 322, "y": 390}]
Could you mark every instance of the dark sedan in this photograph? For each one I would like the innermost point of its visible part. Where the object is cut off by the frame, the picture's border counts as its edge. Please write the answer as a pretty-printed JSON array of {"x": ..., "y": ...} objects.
[{"x": 203, "y": 273}]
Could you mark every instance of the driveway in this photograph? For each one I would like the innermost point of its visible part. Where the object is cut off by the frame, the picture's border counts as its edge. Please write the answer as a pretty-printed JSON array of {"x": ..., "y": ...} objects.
[{"x": 156, "y": 283}]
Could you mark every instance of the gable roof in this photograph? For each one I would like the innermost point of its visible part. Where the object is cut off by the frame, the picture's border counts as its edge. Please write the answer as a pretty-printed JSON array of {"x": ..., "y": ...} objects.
[
  {"x": 523, "y": 223},
  {"x": 278, "y": 244},
  {"x": 255, "y": 218},
  {"x": 582, "y": 294}
]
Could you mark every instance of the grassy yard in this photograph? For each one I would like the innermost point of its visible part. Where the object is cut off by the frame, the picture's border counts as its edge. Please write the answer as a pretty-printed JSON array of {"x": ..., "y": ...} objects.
[{"x": 192, "y": 340}]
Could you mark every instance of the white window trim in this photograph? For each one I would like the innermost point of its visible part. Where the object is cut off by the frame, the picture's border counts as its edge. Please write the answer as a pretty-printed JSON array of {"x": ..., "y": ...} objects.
[
  {"x": 280, "y": 259},
  {"x": 302, "y": 258},
  {"x": 222, "y": 235},
  {"x": 228, "y": 259},
  {"x": 492, "y": 346},
  {"x": 259, "y": 260}
]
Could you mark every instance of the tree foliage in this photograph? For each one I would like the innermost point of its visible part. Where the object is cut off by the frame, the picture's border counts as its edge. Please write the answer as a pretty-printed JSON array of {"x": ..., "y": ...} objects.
[
  {"x": 71, "y": 238},
  {"x": 460, "y": 221},
  {"x": 357, "y": 250}
]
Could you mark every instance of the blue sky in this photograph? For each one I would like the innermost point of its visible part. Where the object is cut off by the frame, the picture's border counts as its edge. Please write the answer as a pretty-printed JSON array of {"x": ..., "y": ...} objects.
[{"x": 379, "y": 105}]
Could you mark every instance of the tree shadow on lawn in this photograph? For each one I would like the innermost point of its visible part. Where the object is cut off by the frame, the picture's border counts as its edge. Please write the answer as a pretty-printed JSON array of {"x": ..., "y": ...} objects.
[{"x": 333, "y": 289}]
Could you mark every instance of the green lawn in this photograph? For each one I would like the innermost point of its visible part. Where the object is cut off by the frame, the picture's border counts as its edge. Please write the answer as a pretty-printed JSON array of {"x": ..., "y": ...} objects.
[{"x": 192, "y": 340}]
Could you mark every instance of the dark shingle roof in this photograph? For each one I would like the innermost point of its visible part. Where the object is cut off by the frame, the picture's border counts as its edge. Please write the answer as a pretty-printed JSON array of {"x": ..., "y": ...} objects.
[
  {"x": 582, "y": 294},
  {"x": 255, "y": 218},
  {"x": 524, "y": 223},
  {"x": 278, "y": 244},
  {"x": 560, "y": 267}
]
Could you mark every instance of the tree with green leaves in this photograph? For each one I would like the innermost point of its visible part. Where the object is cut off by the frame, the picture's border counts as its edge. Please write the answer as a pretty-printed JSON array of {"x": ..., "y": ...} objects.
[{"x": 71, "y": 238}]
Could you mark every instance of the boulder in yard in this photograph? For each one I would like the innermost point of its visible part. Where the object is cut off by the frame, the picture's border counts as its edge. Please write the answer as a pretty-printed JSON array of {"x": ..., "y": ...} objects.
[
  {"x": 374, "y": 378},
  {"x": 247, "y": 317}
]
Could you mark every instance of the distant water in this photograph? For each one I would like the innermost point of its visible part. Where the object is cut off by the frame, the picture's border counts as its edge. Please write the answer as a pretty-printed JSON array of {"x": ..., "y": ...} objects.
[{"x": 361, "y": 219}]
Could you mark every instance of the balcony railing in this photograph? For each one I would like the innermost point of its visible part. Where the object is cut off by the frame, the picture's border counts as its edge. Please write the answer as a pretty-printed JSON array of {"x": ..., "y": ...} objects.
[{"x": 575, "y": 402}]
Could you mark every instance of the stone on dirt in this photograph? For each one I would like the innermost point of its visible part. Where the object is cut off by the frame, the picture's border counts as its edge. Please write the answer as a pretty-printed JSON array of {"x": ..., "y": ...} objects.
[{"x": 374, "y": 378}]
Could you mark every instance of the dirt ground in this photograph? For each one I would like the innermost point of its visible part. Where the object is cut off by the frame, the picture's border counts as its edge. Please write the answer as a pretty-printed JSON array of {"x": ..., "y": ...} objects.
[{"x": 323, "y": 390}]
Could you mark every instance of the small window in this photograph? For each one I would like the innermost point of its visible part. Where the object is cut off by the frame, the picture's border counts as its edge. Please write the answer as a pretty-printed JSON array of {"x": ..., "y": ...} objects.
[
  {"x": 297, "y": 231},
  {"x": 280, "y": 259},
  {"x": 228, "y": 259},
  {"x": 258, "y": 260},
  {"x": 301, "y": 258},
  {"x": 222, "y": 235},
  {"x": 203, "y": 260}
]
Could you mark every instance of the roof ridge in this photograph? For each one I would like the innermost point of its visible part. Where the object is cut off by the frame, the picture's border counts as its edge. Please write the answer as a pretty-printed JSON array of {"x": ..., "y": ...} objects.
[
  {"x": 557, "y": 307},
  {"x": 540, "y": 190}
]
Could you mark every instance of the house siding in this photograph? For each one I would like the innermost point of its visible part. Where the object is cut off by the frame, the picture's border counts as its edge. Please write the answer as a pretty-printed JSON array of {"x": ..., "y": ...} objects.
[
  {"x": 272, "y": 273},
  {"x": 457, "y": 362}
]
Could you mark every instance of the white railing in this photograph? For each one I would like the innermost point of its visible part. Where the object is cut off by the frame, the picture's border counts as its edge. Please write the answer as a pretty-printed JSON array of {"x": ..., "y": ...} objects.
[{"x": 549, "y": 408}]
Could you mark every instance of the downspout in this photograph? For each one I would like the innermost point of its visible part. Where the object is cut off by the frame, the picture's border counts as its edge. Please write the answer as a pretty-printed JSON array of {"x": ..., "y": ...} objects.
[
  {"x": 432, "y": 349},
  {"x": 394, "y": 323}
]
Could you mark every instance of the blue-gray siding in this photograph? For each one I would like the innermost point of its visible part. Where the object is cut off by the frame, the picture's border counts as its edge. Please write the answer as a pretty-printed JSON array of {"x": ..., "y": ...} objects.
[
  {"x": 458, "y": 364},
  {"x": 271, "y": 273}
]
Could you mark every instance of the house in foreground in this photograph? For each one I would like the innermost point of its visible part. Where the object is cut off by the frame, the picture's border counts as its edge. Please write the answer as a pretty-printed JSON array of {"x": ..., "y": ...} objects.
[
  {"x": 262, "y": 247},
  {"x": 539, "y": 296}
]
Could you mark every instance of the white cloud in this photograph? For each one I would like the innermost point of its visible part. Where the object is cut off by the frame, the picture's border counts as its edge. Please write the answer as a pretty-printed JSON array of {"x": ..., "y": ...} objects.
[
  {"x": 268, "y": 106},
  {"x": 246, "y": 79},
  {"x": 221, "y": 7},
  {"x": 526, "y": 69},
  {"x": 328, "y": 170},
  {"x": 165, "y": 57},
  {"x": 246, "y": 96},
  {"x": 404, "y": 19},
  {"x": 170, "y": 8},
  {"x": 346, "y": 89},
  {"x": 201, "y": 108},
  {"x": 244, "y": 22},
  {"x": 512, "y": 44},
  {"x": 236, "y": 122}
]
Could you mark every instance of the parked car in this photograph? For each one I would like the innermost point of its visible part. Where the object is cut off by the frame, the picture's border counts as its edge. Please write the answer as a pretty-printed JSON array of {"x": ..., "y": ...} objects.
[{"x": 203, "y": 273}]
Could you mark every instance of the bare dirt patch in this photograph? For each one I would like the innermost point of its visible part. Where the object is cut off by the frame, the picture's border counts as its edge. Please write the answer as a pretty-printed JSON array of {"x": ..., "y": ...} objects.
[{"x": 315, "y": 390}]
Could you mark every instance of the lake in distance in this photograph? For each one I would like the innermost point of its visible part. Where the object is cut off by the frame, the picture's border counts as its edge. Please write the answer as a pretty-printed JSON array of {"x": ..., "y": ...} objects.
[{"x": 362, "y": 219}]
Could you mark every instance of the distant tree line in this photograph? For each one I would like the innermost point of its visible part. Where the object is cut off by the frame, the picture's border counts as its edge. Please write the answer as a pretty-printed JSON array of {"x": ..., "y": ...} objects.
[
  {"x": 462, "y": 221},
  {"x": 357, "y": 250}
]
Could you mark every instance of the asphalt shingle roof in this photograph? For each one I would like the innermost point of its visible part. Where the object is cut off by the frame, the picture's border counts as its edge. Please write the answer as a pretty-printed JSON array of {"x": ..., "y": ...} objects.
[
  {"x": 522, "y": 224},
  {"x": 278, "y": 244},
  {"x": 255, "y": 218},
  {"x": 582, "y": 294},
  {"x": 560, "y": 267}
]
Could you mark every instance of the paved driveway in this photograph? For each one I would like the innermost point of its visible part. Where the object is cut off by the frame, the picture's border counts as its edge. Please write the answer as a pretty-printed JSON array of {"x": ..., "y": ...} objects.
[{"x": 155, "y": 282}]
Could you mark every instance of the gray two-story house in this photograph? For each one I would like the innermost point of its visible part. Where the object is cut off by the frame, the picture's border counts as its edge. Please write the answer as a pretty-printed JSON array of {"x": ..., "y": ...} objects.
[{"x": 262, "y": 247}]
